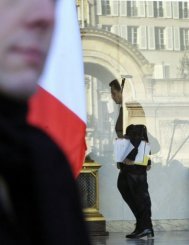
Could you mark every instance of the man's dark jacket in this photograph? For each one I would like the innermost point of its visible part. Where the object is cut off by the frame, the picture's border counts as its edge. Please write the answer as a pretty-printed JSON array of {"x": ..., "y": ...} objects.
[{"x": 39, "y": 200}]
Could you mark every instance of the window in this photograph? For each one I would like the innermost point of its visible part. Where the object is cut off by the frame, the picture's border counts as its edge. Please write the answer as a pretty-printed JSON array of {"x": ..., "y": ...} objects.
[
  {"x": 132, "y": 35},
  {"x": 162, "y": 71},
  {"x": 166, "y": 71},
  {"x": 158, "y": 9},
  {"x": 159, "y": 38},
  {"x": 106, "y": 27},
  {"x": 184, "y": 38},
  {"x": 106, "y": 10},
  {"x": 183, "y": 10},
  {"x": 132, "y": 8}
]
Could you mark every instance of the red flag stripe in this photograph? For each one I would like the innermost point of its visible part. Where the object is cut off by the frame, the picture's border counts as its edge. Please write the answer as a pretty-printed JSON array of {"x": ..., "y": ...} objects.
[{"x": 63, "y": 126}]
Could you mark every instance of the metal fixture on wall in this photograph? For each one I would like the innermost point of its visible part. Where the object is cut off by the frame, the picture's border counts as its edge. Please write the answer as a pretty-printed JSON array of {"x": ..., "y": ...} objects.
[{"x": 88, "y": 182}]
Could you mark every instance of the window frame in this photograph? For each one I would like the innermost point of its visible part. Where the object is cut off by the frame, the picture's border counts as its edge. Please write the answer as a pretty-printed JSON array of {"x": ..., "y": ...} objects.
[
  {"x": 133, "y": 38},
  {"x": 160, "y": 38}
]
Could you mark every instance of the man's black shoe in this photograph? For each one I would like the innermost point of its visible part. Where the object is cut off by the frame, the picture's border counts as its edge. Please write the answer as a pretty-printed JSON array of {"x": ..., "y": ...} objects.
[
  {"x": 149, "y": 233},
  {"x": 132, "y": 234}
]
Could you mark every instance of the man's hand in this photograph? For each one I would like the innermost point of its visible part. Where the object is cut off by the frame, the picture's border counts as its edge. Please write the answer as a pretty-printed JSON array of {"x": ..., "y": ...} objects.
[{"x": 128, "y": 162}]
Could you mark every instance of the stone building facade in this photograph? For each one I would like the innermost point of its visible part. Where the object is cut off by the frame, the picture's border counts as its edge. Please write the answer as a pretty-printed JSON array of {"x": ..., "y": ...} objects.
[{"x": 149, "y": 41}]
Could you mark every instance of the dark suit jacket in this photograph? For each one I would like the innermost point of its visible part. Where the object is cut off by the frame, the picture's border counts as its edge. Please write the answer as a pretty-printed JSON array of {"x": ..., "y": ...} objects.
[{"x": 40, "y": 202}]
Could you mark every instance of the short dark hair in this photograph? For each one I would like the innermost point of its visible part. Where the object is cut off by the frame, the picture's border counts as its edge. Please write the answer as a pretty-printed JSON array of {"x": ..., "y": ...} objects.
[
  {"x": 134, "y": 131},
  {"x": 115, "y": 85}
]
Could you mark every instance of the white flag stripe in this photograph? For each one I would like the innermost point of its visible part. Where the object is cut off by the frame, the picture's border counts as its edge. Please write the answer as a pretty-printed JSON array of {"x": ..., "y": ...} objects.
[{"x": 63, "y": 76}]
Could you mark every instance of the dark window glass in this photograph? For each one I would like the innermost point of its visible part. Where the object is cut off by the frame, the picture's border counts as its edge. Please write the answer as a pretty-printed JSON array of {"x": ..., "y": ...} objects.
[{"x": 106, "y": 10}]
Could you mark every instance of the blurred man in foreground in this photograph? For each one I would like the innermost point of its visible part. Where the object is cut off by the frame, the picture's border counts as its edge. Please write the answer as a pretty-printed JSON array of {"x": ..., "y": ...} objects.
[{"x": 39, "y": 201}]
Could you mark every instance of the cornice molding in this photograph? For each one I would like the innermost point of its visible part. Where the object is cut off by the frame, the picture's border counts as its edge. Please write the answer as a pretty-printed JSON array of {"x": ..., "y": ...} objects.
[{"x": 95, "y": 33}]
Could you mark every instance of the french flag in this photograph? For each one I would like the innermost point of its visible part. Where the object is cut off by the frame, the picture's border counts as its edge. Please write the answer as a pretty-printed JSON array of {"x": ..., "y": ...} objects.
[{"x": 59, "y": 106}]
